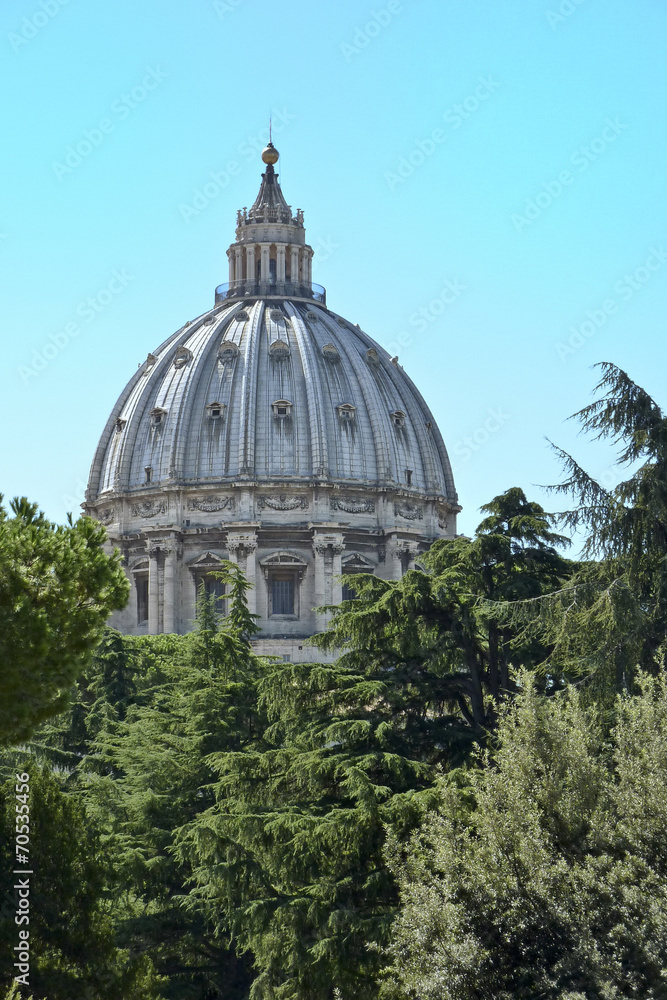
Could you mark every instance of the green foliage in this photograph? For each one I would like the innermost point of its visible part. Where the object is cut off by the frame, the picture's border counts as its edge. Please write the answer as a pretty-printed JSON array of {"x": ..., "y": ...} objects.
[
  {"x": 72, "y": 946},
  {"x": 147, "y": 773},
  {"x": 57, "y": 588},
  {"x": 606, "y": 624},
  {"x": 627, "y": 526},
  {"x": 544, "y": 872},
  {"x": 291, "y": 852},
  {"x": 446, "y": 645}
]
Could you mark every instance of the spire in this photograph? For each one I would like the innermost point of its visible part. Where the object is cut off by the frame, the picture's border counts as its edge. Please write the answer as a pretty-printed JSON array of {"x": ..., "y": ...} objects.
[{"x": 270, "y": 204}]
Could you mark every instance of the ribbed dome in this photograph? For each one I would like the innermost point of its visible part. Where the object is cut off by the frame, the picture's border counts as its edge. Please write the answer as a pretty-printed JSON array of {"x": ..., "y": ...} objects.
[
  {"x": 273, "y": 433},
  {"x": 272, "y": 389}
]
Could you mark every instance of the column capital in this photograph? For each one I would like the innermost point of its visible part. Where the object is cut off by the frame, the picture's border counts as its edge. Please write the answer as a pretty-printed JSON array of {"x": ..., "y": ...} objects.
[{"x": 241, "y": 541}]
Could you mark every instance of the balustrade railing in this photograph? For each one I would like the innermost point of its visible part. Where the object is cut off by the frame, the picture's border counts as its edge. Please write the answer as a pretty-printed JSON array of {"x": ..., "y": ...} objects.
[{"x": 245, "y": 289}]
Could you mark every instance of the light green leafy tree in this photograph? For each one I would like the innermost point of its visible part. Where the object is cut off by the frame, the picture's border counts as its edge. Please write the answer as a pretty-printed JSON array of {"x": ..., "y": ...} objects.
[{"x": 543, "y": 872}]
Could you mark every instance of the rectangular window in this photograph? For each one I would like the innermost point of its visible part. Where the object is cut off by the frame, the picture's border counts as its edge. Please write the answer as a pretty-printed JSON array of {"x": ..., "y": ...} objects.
[
  {"x": 213, "y": 588},
  {"x": 349, "y": 594},
  {"x": 141, "y": 584},
  {"x": 282, "y": 594}
]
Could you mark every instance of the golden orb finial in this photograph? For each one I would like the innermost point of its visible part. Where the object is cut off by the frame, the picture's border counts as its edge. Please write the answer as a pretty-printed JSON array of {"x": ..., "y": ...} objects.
[{"x": 270, "y": 154}]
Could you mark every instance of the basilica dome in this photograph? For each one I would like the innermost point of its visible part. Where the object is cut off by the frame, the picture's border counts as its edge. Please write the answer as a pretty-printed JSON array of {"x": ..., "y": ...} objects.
[{"x": 272, "y": 431}]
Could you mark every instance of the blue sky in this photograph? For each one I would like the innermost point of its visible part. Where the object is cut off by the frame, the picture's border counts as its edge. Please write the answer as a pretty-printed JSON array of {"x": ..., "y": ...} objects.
[{"x": 482, "y": 180}]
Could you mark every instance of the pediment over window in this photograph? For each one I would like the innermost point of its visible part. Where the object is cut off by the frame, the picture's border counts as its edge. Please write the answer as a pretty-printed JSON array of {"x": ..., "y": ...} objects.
[
  {"x": 283, "y": 560},
  {"x": 206, "y": 561},
  {"x": 346, "y": 411},
  {"x": 354, "y": 562},
  {"x": 282, "y": 408}
]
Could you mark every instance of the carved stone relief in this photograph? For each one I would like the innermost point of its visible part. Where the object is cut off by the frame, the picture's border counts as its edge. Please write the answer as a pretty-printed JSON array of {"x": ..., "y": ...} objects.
[
  {"x": 411, "y": 511},
  {"x": 282, "y": 502},
  {"x": 149, "y": 508},
  {"x": 212, "y": 503},
  {"x": 353, "y": 506}
]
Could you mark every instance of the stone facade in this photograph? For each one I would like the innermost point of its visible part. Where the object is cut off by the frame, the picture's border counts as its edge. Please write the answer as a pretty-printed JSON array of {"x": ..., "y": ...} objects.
[{"x": 272, "y": 432}]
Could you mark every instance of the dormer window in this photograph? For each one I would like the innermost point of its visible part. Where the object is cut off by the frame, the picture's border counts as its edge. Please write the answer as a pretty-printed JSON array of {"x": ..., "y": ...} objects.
[
  {"x": 346, "y": 411},
  {"x": 157, "y": 415},
  {"x": 228, "y": 351},
  {"x": 279, "y": 350},
  {"x": 120, "y": 425},
  {"x": 330, "y": 352},
  {"x": 408, "y": 477},
  {"x": 183, "y": 356},
  {"x": 215, "y": 411},
  {"x": 398, "y": 418},
  {"x": 282, "y": 408},
  {"x": 149, "y": 473}
]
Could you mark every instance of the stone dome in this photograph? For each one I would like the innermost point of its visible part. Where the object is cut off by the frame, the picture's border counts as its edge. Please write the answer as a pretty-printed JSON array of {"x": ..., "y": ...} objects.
[
  {"x": 272, "y": 431},
  {"x": 275, "y": 390}
]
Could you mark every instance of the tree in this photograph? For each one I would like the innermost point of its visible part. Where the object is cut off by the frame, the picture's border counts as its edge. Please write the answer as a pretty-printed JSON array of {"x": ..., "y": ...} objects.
[
  {"x": 438, "y": 631},
  {"x": 72, "y": 947},
  {"x": 543, "y": 873},
  {"x": 148, "y": 772},
  {"x": 608, "y": 621},
  {"x": 292, "y": 849},
  {"x": 627, "y": 526},
  {"x": 57, "y": 588}
]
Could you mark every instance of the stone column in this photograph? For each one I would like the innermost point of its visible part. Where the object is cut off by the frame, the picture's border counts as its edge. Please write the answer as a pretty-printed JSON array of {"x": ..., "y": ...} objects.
[
  {"x": 264, "y": 263},
  {"x": 294, "y": 259},
  {"x": 309, "y": 267},
  {"x": 153, "y": 591},
  {"x": 394, "y": 561},
  {"x": 230, "y": 257},
  {"x": 238, "y": 271},
  {"x": 280, "y": 263},
  {"x": 250, "y": 264},
  {"x": 327, "y": 548},
  {"x": 241, "y": 546},
  {"x": 319, "y": 550},
  {"x": 170, "y": 568},
  {"x": 336, "y": 573}
]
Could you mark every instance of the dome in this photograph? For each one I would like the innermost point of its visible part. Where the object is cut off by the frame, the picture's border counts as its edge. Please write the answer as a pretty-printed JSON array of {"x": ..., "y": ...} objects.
[
  {"x": 273, "y": 432},
  {"x": 203, "y": 408}
]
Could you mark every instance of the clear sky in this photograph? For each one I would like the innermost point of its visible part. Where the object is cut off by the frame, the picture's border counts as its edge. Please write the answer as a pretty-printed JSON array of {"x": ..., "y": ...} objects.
[{"x": 483, "y": 182}]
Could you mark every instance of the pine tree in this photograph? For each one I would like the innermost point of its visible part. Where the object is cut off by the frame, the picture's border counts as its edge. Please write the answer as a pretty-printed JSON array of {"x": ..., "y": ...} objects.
[
  {"x": 57, "y": 588},
  {"x": 292, "y": 849},
  {"x": 608, "y": 621},
  {"x": 150, "y": 773}
]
